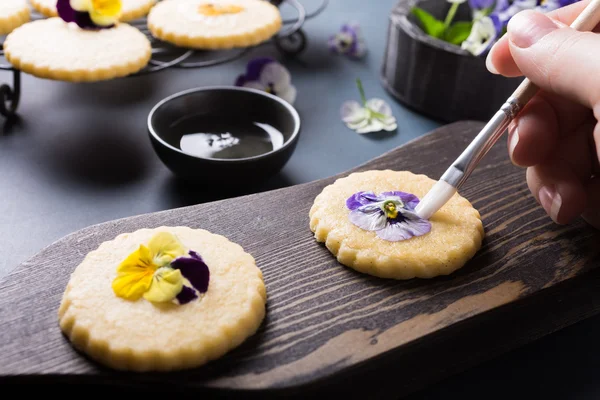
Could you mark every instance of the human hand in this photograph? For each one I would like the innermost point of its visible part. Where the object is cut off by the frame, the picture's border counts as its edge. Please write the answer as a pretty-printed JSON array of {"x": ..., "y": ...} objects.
[{"x": 557, "y": 135}]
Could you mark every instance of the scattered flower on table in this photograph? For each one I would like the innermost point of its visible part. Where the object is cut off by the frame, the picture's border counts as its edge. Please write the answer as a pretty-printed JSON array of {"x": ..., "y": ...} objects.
[
  {"x": 268, "y": 75},
  {"x": 90, "y": 14},
  {"x": 372, "y": 115},
  {"x": 161, "y": 272},
  {"x": 391, "y": 215},
  {"x": 489, "y": 19},
  {"x": 349, "y": 41}
]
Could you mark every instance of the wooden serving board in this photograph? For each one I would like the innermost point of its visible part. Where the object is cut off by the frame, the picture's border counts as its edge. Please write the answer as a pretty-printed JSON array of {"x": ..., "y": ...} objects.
[{"x": 328, "y": 328}]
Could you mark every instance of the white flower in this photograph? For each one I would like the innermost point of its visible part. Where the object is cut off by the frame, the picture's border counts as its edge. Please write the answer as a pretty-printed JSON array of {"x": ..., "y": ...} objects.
[
  {"x": 374, "y": 116},
  {"x": 456, "y": 1},
  {"x": 481, "y": 37}
]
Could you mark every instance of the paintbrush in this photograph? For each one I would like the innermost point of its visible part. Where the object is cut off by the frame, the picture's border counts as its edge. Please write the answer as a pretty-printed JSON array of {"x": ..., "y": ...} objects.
[{"x": 463, "y": 166}]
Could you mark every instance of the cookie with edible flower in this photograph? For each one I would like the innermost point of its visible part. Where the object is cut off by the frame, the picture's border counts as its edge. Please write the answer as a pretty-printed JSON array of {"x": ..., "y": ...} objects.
[
  {"x": 13, "y": 13},
  {"x": 214, "y": 24},
  {"x": 87, "y": 43},
  {"x": 367, "y": 220},
  {"x": 130, "y": 9},
  {"x": 163, "y": 299}
]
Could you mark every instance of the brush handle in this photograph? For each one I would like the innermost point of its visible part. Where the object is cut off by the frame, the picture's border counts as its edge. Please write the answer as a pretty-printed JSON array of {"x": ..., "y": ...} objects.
[{"x": 586, "y": 21}]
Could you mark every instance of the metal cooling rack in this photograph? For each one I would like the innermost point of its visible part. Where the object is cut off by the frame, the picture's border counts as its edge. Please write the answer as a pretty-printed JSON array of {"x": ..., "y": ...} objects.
[{"x": 291, "y": 41}]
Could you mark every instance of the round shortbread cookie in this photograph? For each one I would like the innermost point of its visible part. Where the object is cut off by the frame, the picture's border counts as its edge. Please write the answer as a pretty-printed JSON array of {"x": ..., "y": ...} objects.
[
  {"x": 69, "y": 53},
  {"x": 13, "y": 13},
  {"x": 187, "y": 23},
  {"x": 131, "y": 9},
  {"x": 456, "y": 229},
  {"x": 144, "y": 336}
]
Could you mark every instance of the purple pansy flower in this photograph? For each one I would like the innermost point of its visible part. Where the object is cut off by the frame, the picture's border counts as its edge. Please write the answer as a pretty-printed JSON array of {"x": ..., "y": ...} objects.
[
  {"x": 81, "y": 18},
  {"x": 268, "y": 75},
  {"x": 391, "y": 214},
  {"x": 195, "y": 270},
  {"x": 348, "y": 41}
]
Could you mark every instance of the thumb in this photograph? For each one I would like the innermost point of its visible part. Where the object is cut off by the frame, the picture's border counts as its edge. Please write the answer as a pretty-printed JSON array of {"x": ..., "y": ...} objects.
[{"x": 555, "y": 57}]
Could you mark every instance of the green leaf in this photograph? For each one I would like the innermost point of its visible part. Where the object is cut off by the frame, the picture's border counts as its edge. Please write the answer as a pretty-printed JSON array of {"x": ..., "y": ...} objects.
[
  {"x": 458, "y": 32},
  {"x": 429, "y": 24}
]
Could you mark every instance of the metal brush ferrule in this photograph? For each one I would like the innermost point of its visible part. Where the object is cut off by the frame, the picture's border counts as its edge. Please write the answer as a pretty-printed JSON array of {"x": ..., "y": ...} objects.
[{"x": 464, "y": 165}]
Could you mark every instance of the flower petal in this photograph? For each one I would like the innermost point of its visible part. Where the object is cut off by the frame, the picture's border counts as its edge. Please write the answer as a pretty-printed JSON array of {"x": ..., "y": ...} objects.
[
  {"x": 186, "y": 295},
  {"x": 194, "y": 269},
  {"x": 166, "y": 285},
  {"x": 374, "y": 125},
  {"x": 255, "y": 85},
  {"x": 410, "y": 226},
  {"x": 379, "y": 106},
  {"x": 371, "y": 220},
  {"x": 255, "y": 67},
  {"x": 288, "y": 94},
  {"x": 134, "y": 275},
  {"x": 360, "y": 199},
  {"x": 65, "y": 11},
  {"x": 410, "y": 200},
  {"x": 165, "y": 247},
  {"x": 359, "y": 50},
  {"x": 352, "y": 111},
  {"x": 277, "y": 76}
]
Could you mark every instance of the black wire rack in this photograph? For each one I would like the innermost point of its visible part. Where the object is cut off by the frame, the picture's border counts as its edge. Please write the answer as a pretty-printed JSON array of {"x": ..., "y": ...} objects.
[{"x": 290, "y": 41}]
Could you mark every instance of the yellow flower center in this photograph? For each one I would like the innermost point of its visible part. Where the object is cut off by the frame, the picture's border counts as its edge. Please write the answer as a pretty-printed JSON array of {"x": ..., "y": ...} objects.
[
  {"x": 213, "y": 10},
  {"x": 390, "y": 209},
  {"x": 109, "y": 8}
]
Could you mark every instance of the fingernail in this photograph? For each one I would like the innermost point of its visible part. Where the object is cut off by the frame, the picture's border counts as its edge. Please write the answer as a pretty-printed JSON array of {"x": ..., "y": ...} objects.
[
  {"x": 551, "y": 201},
  {"x": 513, "y": 139},
  {"x": 490, "y": 65},
  {"x": 528, "y": 27}
]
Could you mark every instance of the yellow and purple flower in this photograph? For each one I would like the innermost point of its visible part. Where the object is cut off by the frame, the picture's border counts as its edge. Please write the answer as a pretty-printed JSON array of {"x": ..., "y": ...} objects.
[
  {"x": 268, "y": 75},
  {"x": 390, "y": 215},
  {"x": 161, "y": 273},
  {"x": 348, "y": 41},
  {"x": 90, "y": 14}
]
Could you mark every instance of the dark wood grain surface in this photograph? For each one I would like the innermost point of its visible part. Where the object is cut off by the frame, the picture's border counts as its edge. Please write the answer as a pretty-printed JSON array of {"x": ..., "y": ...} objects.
[{"x": 329, "y": 328}]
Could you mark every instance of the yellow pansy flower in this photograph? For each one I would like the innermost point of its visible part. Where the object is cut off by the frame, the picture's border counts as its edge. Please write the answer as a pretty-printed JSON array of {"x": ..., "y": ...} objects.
[
  {"x": 141, "y": 273},
  {"x": 102, "y": 12}
]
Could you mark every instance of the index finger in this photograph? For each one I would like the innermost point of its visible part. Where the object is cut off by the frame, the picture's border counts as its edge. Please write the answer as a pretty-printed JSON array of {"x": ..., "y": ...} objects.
[{"x": 499, "y": 59}]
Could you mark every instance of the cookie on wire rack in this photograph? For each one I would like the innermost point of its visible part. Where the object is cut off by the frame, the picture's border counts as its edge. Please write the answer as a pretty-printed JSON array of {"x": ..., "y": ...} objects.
[
  {"x": 367, "y": 221},
  {"x": 163, "y": 299},
  {"x": 132, "y": 9},
  {"x": 84, "y": 45},
  {"x": 13, "y": 13},
  {"x": 214, "y": 24}
]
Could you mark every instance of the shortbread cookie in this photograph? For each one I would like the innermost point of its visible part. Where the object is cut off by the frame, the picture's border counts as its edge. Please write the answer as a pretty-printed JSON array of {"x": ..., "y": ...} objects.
[
  {"x": 132, "y": 9},
  {"x": 214, "y": 24},
  {"x": 367, "y": 221},
  {"x": 163, "y": 299},
  {"x": 13, "y": 13},
  {"x": 72, "y": 54}
]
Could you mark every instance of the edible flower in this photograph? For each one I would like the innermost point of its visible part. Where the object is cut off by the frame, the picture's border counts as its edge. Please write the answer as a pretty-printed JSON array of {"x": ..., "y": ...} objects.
[
  {"x": 371, "y": 116},
  {"x": 214, "y": 10},
  {"x": 483, "y": 34},
  {"x": 90, "y": 14},
  {"x": 161, "y": 273},
  {"x": 391, "y": 214},
  {"x": 268, "y": 75},
  {"x": 348, "y": 41}
]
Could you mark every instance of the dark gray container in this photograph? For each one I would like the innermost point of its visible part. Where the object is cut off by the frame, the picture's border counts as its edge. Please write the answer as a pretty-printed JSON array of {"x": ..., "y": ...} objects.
[{"x": 436, "y": 78}]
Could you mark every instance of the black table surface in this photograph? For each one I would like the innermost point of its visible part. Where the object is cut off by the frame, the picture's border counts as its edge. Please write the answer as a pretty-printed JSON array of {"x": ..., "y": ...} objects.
[{"x": 80, "y": 155}]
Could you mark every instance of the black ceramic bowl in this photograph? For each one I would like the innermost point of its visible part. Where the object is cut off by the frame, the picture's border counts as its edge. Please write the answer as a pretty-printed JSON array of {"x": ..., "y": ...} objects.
[{"x": 225, "y": 146}]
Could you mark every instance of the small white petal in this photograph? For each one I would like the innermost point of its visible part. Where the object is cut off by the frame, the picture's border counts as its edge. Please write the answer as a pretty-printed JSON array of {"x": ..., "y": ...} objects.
[
  {"x": 373, "y": 126},
  {"x": 277, "y": 75},
  {"x": 361, "y": 49},
  {"x": 352, "y": 111},
  {"x": 370, "y": 221},
  {"x": 456, "y": 1},
  {"x": 358, "y": 125},
  {"x": 80, "y": 5},
  {"x": 289, "y": 94},
  {"x": 482, "y": 35},
  {"x": 380, "y": 106},
  {"x": 255, "y": 85}
]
